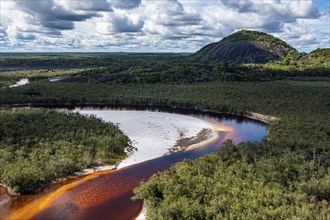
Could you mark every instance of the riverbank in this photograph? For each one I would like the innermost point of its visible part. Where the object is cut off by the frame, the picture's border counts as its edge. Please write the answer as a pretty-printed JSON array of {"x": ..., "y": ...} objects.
[
  {"x": 202, "y": 138},
  {"x": 83, "y": 172},
  {"x": 177, "y": 156},
  {"x": 154, "y": 134},
  {"x": 264, "y": 118},
  {"x": 86, "y": 174},
  {"x": 21, "y": 82},
  {"x": 155, "y": 130},
  {"x": 39, "y": 146},
  {"x": 180, "y": 109},
  {"x": 184, "y": 140},
  {"x": 298, "y": 141}
]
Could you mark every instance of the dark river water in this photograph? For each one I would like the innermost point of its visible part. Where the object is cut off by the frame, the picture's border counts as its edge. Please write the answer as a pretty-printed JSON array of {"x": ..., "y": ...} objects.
[{"x": 107, "y": 195}]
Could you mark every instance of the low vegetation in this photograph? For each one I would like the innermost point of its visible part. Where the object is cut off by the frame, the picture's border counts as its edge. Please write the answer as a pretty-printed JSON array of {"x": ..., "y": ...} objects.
[
  {"x": 247, "y": 181},
  {"x": 242, "y": 56},
  {"x": 286, "y": 176},
  {"x": 28, "y": 61},
  {"x": 38, "y": 146}
]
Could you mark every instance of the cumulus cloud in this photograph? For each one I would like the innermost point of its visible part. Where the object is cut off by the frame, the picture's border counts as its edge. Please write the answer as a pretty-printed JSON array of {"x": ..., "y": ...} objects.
[
  {"x": 125, "y": 4},
  {"x": 266, "y": 15},
  {"x": 241, "y": 6},
  {"x": 170, "y": 20},
  {"x": 148, "y": 25},
  {"x": 122, "y": 23},
  {"x": 119, "y": 22},
  {"x": 289, "y": 9},
  {"x": 87, "y": 5},
  {"x": 3, "y": 35},
  {"x": 171, "y": 13},
  {"x": 61, "y": 15},
  {"x": 307, "y": 35},
  {"x": 25, "y": 37}
]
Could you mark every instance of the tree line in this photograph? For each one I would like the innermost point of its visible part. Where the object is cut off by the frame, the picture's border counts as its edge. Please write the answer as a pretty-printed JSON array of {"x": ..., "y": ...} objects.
[
  {"x": 285, "y": 176},
  {"x": 38, "y": 146}
]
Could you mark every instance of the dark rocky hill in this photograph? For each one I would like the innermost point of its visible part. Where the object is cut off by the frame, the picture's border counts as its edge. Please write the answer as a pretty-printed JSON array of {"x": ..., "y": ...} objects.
[{"x": 245, "y": 47}]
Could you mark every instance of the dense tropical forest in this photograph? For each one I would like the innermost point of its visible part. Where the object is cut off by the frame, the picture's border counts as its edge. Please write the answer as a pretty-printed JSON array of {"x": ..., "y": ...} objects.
[
  {"x": 287, "y": 176},
  {"x": 242, "y": 56},
  {"x": 291, "y": 166},
  {"x": 313, "y": 66},
  {"x": 38, "y": 146}
]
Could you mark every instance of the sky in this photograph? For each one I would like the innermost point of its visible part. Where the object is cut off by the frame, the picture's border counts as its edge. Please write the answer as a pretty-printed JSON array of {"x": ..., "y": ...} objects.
[{"x": 156, "y": 25}]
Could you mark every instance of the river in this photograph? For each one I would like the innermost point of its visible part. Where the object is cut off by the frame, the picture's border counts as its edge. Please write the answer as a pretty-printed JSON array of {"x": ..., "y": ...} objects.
[
  {"x": 21, "y": 82},
  {"x": 107, "y": 194}
]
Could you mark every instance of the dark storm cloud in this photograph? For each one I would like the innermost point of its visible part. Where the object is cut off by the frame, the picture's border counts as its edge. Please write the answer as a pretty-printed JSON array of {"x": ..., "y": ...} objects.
[
  {"x": 54, "y": 16},
  {"x": 181, "y": 19},
  {"x": 45, "y": 31},
  {"x": 91, "y": 5},
  {"x": 175, "y": 37},
  {"x": 241, "y": 6},
  {"x": 25, "y": 37},
  {"x": 124, "y": 24},
  {"x": 3, "y": 35},
  {"x": 59, "y": 25},
  {"x": 125, "y": 4}
]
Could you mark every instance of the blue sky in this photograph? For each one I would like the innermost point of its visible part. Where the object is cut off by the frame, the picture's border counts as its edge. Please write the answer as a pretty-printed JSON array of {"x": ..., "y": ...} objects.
[
  {"x": 156, "y": 25},
  {"x": 323, "y": 5}
]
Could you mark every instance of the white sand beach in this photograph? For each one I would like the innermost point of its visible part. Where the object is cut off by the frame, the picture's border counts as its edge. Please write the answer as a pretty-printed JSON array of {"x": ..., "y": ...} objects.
[
  {"x": 153, "y": 134},
  {"x": 20, "y": 83}
]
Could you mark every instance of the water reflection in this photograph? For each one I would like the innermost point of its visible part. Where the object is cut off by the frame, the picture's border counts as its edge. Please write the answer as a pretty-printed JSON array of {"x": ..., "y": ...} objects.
[{"x": 107, "y": 195}]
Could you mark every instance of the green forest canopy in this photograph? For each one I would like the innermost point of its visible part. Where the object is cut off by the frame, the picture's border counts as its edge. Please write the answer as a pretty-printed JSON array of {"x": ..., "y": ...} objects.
[
  {"x": 286, "y": 176},
  {"x": 38, "y": 146}
]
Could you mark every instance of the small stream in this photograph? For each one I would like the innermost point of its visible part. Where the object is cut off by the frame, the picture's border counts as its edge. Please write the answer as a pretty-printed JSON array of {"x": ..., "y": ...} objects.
[{"x": 21, "y": 82}]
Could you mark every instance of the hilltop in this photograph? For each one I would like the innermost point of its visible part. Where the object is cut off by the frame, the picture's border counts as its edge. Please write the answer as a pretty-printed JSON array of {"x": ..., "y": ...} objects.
[
  {"x": 245, "y": 47},
  {"x": 318, "y": 57}
]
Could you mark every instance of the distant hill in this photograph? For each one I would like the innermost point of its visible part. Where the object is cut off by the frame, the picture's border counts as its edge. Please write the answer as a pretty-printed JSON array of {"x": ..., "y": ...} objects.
[
  {"x": 318, "y": 57},
  {"x": 245, "y": 47}
]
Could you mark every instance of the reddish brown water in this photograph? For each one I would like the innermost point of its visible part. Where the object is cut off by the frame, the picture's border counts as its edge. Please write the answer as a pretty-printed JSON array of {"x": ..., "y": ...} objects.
[{"x": 107, "y": 195}]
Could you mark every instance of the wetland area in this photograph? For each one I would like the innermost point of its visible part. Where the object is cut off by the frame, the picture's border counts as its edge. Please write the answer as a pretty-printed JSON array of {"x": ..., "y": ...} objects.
[{"x": 153, "y": 135}]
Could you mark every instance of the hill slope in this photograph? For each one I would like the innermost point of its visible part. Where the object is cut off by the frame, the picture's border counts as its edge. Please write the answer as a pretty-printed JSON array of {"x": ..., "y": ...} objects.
[
  {"x": 245, "y": 47},
  {"x": 318, "y": 57}
]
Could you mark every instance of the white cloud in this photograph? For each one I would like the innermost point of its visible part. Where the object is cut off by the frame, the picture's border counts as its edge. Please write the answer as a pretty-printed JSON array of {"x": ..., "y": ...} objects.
[
  {"x": 125, "y": 4},
  {"x": 307, "y": 35},
  {"x": 96, "y": 5},
  {"x": 148, "y": 25}
]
